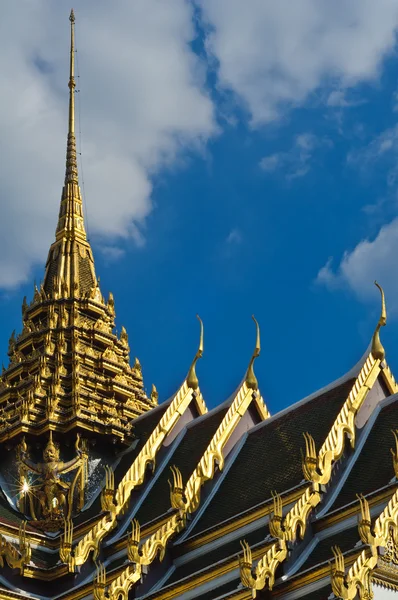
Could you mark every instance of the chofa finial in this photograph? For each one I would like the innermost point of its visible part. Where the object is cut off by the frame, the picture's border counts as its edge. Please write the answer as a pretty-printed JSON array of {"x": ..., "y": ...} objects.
[
  {"x": 377, "y": 347},
  {"x": 192, "y": 379},
  {"x": 251, "y": 379}
]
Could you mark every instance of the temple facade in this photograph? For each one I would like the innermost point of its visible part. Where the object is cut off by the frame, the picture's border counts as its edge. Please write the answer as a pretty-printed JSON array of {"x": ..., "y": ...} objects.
[{"x": 107, "y": 494}]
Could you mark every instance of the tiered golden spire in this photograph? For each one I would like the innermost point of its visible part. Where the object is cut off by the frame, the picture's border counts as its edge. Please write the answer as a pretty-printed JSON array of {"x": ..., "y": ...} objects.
[
  {"x": 70, "y": 266},
  {"x": 68, "y": 369}
]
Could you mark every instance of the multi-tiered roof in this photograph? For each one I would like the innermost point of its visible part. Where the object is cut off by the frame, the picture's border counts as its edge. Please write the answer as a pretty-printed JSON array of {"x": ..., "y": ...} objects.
[{"x": 184, "y": 503}]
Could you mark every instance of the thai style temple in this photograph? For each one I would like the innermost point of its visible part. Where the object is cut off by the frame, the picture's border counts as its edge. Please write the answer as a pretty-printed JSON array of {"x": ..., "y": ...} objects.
[{"x": 107, "y": 494}]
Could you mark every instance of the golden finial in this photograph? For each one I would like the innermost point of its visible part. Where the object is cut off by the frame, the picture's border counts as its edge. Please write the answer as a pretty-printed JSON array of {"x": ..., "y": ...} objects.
[
  {"x": 71, "y": 160},
  {"x": 192, "y": 379},
  {"x": 377, "y": 347},
  {"x": 251, "y": 379}
]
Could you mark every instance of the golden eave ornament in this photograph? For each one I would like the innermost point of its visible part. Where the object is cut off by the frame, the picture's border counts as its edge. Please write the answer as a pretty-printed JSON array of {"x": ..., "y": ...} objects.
[
  {"x": 251, "y": 379},
  {"x": 192, "y": 379},
  {"x": 377, "y": 347}
]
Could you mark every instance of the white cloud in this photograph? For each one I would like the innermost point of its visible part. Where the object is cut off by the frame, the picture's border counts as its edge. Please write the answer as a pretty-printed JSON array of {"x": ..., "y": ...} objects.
[
  {"x": 270, "y": 163},
  {"x": 234, "y": 237},
  {"x": 297, "y": 161},
  {"x": 143, "y": 100},
  {"x": 274, "y": 54},
  {"x": 339, "y": 99},
  {"x": 381, "y": 151},
  {"x": 369, "y": 260}
]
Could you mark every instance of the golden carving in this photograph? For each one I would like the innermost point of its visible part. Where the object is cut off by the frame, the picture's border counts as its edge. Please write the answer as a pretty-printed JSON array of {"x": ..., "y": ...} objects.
[
  {"x": 184, "y": 501},
  {"x": 133, "y": 478},
  {"x": 50, "y": 499},
  {"x": 108, "y": 493},
  {"x": 251, "y": 379},
  {"x": 395, "y": 453},
  {"x": 264, "y": 573},
  {"x": 177, "y": 500},
  {"x": 377, "y": 347},
  {"x": 390, "y": 555},
  {"x": 317, "y": 469},
  {"x": 154, "y": 394},
  {"x": 17, "y": 558},
  {"x": 383, "y": 534},
  {"x": 192, "y": 379},
  {"x": 358, "y": 579}
]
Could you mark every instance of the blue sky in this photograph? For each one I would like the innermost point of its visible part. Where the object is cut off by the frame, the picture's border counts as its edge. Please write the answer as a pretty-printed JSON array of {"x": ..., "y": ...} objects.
[{"x": 259, "y": 177}]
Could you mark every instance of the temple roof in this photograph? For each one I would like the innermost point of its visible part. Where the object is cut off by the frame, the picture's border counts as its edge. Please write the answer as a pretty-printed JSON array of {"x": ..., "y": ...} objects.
[{"x": 169, "y": 500}]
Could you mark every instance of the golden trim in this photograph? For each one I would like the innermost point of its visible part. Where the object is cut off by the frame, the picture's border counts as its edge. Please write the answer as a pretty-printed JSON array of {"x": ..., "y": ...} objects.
[
  {"x": 16, "y": 558},
  {"x": 132, "y": 479},
  {"x": 188, "y": 501},
  {"x": 318, "y": 470},
  {"x": 358, "y": 579},
  {"x": 377, "y": 347}
]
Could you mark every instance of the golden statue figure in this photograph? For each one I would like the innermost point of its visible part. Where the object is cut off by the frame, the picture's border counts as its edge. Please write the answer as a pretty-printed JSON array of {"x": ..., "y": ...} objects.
[{"x": 51, "y": 498}]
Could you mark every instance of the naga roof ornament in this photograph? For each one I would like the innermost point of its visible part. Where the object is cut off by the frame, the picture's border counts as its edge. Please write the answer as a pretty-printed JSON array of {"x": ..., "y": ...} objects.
[
  {"x": 251, "y": 379},
  {"x": 377, "y": 347}
]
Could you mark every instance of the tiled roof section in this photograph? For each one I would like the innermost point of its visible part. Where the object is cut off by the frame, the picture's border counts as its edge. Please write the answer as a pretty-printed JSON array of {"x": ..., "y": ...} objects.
[
  {"x": 270, "y": 458},
  {"x": 373, "y": 468},
  {"x": 186, "y": 457},
  {"x": 322, "y": 552},
  {"x": 210, "y": 558},
  {"x": 321, "y": 594},
  {"x": 219, "y": 592},
  {"x": 45, "y": 560}
]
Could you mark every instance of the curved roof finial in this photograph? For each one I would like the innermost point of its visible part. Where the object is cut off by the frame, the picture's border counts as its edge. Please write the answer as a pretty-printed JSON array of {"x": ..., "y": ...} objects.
[
  {"x": 251, "y": 379},
  {"x": 192, "y": 379},
  {"x": 377, "y": 347}
]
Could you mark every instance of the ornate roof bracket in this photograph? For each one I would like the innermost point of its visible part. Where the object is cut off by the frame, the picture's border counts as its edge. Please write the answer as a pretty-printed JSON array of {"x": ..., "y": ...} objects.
[{"x": 317, "y": 468}]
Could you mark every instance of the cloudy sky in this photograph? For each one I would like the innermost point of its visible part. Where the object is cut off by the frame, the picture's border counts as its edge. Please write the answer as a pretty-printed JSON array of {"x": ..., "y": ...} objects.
[{"x": 237, "y": 158}]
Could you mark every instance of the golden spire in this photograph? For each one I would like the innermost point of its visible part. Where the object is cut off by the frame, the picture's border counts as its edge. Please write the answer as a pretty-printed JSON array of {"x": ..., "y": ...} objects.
[
  {"x": 377, "y": 347},
  {"x": 71, "y": 159},
  {"x": 192, "y": 379},
  {"x": 251, "y": 379},
  {"x": 70, "y": 265}
]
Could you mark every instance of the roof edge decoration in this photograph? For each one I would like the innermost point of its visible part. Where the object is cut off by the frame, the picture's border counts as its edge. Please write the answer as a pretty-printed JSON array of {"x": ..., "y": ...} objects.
[
  {"x": 115, "y": 501},
  {"x": 184, "y": 500},
  {"x": 317, "y": 469},
  {"x": 380, "y": 535}
]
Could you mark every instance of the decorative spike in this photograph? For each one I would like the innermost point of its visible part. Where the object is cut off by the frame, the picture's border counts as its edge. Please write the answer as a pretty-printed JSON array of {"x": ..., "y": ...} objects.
[
  {"x": 71, "y": 159},
  {"x": 192, "y": 379},
  {"x": 70, "y": 266},
  {"x": 377, "y": 347},
  {"x": 251, "y": 379},
  {"x": 154, "y": 394}
]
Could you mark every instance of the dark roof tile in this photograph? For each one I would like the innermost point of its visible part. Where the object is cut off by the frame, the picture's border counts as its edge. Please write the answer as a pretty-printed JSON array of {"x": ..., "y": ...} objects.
[
  {"x": 373, "y": 468},
  {"x": 270, "y": 458}
]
